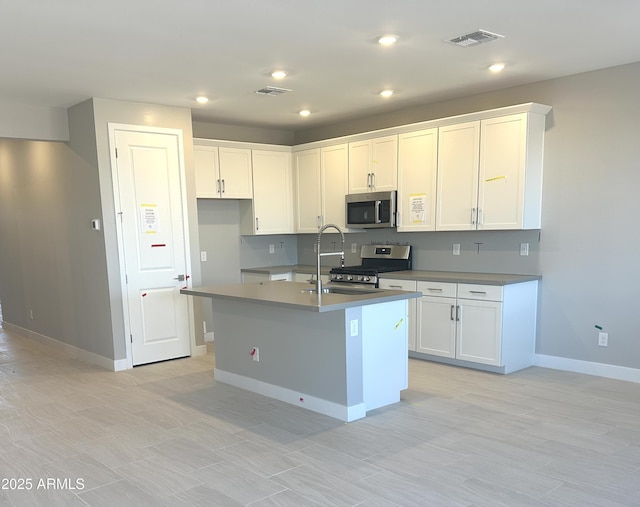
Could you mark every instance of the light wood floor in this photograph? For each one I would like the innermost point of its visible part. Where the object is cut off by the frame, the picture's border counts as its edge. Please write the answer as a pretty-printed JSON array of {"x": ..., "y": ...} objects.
[{"x": 168, "y": 434}]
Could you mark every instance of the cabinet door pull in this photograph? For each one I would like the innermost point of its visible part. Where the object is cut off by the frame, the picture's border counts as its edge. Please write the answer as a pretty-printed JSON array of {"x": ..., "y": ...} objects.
[
  {"x": 218, "y": 186},
  {"x": 480, "y": 217},
  {"x": 458, "y": 312},
  {"x": 369, "y": 180},
  {"x": 473, "y": 216},
  {"x": 452, "y": 312},
  {"x": 223, "y": 187},
  {"x": 257, "y": 224},
  {"x": 478, "y": 292},
  {"x": 373, "y": 181}
]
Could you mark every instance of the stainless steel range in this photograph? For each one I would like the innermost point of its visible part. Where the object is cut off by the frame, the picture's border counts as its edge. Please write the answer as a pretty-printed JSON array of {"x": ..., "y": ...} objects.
[{"x": 375, "y": 259}]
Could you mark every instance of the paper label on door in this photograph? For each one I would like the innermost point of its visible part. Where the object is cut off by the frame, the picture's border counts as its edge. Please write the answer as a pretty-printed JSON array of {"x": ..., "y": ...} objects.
[
  {"x": 417, "y": 208},
  {"x": 149, "y": 218}
]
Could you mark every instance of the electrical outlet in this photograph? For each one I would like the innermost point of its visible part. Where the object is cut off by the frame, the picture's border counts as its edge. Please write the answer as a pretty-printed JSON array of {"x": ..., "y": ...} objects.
[
  {"x": 524, "y": 248},
  {"x": 272, "y": 249},
  {"x": 456, "y": 249},
  {"x": 203, "y": 256},
  {"x": 354, "y": 247},
  {"x": 603, "y": 339}
]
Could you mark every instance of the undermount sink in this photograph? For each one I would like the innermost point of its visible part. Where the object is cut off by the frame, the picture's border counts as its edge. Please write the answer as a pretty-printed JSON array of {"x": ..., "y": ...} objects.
[{"x": 340, "y": 290}]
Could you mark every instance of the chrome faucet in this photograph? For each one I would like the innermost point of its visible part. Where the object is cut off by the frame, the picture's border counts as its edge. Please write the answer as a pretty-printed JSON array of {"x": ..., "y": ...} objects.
[{"x": 340, "y": 253}]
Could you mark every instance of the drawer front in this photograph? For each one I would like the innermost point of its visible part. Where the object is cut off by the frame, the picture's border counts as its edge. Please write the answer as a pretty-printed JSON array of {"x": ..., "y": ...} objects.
[
  {"x": 387, "y": 283},
  {"x": 482, "y": 292},
  {"x": 442, "y": 289}
]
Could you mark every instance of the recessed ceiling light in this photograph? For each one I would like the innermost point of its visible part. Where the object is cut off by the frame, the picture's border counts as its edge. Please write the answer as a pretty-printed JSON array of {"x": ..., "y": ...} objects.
[
  {"x": 278, "y": 74},
  {"x": 496, "y": 67},
  {"x": 304, "y": 113},
  {"x": 387, "y": 40},
  {"x": 386, "y": 93},
  {"x": 202, "y": 99}
]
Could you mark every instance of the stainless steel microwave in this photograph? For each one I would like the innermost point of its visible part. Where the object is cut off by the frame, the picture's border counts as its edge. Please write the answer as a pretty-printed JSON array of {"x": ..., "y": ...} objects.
[{"x": 371, "y": 210}]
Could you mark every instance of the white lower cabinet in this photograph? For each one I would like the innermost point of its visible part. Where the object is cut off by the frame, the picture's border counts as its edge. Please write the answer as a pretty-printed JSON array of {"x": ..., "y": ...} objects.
[
  {"x": 408, "y": 285},
  {"x": 310, "y": 278},
  {"x": 486, "y": 325}
]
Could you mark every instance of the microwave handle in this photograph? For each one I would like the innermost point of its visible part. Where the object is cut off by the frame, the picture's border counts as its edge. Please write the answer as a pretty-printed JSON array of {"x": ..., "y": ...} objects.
[{"x": 378, "y": 211}]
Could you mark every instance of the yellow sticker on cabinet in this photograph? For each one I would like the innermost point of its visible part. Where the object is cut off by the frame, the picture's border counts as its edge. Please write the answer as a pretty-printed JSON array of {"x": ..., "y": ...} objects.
[
  {"x": 398, "y": 324},
  {"x": 495, "y": 178}
]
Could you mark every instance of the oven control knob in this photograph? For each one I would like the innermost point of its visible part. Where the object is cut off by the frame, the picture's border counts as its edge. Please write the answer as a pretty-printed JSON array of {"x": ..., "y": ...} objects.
[
  {"x": 360, "y": 278},
  {"x": 338, "y": 277},
  {"x": 349, "y": 277},
  {"x": 367, "y": 278}
]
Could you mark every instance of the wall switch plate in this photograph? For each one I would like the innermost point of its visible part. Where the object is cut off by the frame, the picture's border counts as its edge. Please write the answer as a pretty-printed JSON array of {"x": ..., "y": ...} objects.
[
  {"x": 354, "y": 247},
  {"x": 272, "y": 249},
  {"x": 603, "y": 339},
  {"x": 255, "y": 354},
  {"x": 203, "y": 256},
  {"x": 524, "y": 248},
  {"x": 456, "y": 249}
]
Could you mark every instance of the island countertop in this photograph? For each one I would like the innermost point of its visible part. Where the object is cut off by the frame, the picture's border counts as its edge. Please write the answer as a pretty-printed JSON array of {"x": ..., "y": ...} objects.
[{"x": 296, "y": 295}]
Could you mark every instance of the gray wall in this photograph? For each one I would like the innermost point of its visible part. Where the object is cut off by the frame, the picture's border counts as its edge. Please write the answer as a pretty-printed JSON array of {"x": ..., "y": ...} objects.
[
  {"x": 226, "y": 132},
  {"x": 51, "y": 261},
  {"x": 590, "y": 240},
  {"x": 228, "y": 252}
]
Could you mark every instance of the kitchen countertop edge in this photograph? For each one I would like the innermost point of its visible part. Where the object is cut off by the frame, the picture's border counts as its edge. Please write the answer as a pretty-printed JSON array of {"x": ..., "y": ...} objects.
[{"x": 289, "y": 295}]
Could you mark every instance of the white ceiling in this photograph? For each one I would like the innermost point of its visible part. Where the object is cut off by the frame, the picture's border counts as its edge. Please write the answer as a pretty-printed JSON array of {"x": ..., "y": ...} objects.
[{"x": 59, "y": 53}]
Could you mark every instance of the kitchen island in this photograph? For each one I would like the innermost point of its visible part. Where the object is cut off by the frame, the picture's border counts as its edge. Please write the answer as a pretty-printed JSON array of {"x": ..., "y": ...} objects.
[{"x": 340, "y": 354}]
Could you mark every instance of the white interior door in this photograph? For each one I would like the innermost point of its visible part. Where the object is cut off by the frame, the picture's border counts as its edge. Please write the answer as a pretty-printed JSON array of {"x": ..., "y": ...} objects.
[{"x": 149, "y": 169}]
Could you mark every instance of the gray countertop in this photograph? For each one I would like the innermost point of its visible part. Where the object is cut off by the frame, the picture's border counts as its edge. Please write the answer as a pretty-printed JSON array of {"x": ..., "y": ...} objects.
[
  {"x": 293, "y": 295},
  {"x": 458, "y": 277},
  {"x": 427, "y": 276}
]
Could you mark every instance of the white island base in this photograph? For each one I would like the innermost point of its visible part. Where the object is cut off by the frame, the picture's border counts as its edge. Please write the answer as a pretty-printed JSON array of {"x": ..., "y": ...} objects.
[{"x": 341, "y": 363}]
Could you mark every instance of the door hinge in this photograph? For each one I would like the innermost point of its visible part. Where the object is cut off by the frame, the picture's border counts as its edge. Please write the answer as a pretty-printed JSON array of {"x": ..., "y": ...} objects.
[{"x": 131, "y": 338}]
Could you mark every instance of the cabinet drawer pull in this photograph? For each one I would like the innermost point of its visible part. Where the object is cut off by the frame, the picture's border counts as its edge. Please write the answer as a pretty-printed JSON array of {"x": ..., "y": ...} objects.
[
  {"x": 395, "y": 286},
  {"x": 432, "y": 289},
  {"x": 478, "y": 292}
]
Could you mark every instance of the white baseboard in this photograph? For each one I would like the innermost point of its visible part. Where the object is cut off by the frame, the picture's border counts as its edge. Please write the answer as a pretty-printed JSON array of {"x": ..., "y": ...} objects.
[
  {"x": 335, "y": 410},
  {"x": 71, "y": 350},
  {"x": 200, "y": 350},
  {"x": 588, "y": 368}
]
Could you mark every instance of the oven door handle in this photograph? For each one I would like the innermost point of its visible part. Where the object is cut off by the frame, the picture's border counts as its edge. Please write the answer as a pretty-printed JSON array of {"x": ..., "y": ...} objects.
[{"x": 378, "y": 203}]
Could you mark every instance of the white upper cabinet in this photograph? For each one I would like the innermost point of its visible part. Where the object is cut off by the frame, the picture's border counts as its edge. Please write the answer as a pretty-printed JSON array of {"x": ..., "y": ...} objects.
[
  {"x": 206, "y": 164},
  {"x": 320, "y": 186},
  {"x": 308, "y": 191},
  {"x": 236, "y": 181},
  {"x": 510, "y": 172},
  {"x": 417, "y": 171},
  {"x": 271, "y": 210},
  {"x": 490, "y": 173},
  {"x": 373, "y": 165},
  {"x": 335, "y": 177},
  {"x": 458, "y": 155},
  {"x": 222, "y": 173}
]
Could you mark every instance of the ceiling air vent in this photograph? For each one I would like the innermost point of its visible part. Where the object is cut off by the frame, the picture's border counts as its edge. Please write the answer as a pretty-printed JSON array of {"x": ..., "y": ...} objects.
[
  {"x": 475, "y": 38},
  {"x": 272, "y": 91}
]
